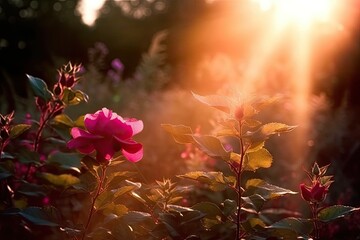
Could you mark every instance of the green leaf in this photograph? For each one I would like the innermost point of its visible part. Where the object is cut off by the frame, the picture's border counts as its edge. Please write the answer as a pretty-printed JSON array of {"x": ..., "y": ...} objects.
[
  {"x": 39, "y": 88},
  {"x": 103, "y": 199},
  {"x": 79, "y": 122},
  {"x": 179, "y": 209},
  {"x": 261, "y": 134},
  {"x": 253, "y": 224},
  {"x": 102, "y": 233},
  {"x": 64, "y": 120},
  {"x": 62, "y": 180},
  {"x": 71, "y": 97},
  {"x": 88, "y": 182},
  {"x": 276, "y": 128},
  {"x": 264, "y": 189},
  {"x": 6, "y": 168},
  {"x": 123, "y": 190},
  {"x": 112, "y": 208},
  {"x": 292, "y": 226},
  {"x": 136, "y": 217},
  {"x": 255, "y": 160},
  {"x": 181, "y": 134},
  {"x": 117, "y": 178},
  {"x": 28, "y": 157},
  {"x": 221, "y": 103},
  {"x": 65, "y": 161},
  {"x": 210, "y": 209},
  {"x": 211, "y": 145},
  {"x": 255, "y": 202},
  {"x": 18, "y": 129},
  {"x": 38, "y": 216},
  {"x": 229, "y": 207},
  {"x": 216, "y": 180},
  {"x": 333, "y": 212},
  {"x": 32, "y": 190}
]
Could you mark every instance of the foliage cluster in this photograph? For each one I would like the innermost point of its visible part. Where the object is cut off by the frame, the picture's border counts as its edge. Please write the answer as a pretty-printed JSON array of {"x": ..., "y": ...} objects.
[{"x": 50, "y": 191}]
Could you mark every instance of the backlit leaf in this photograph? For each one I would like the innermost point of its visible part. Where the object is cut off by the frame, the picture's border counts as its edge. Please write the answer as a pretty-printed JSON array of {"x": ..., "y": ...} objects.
[
  {"x": 255, "y": 202},
  {"x": 216, "y": 180},
  {"x": 63, "y": 180},
  {"x": 18, "y": 129},
  {"x": 39, "y": 88},
  {"x": 276, "y": 128},
  {"x": 221, "y": 103},
  {"x": 255, "y": 160},
  {"x": 63, "y": 119},
  {"x": 264, "y": 189},
  {"x": 211, "y": 145},
  {"x": 336, "y": 211},
  {"x": 181, "y": 134},
  {"x": 112, "y": 208},
  {"x": 292, "y": 226}
]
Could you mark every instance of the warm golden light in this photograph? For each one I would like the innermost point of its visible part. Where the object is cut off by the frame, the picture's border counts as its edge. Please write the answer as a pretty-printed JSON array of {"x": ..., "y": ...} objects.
[{"x": 300, "y": 12}]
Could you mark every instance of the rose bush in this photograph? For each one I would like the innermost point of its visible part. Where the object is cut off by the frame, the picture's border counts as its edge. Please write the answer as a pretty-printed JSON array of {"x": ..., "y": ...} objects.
[{"x": 49, "y": 191}]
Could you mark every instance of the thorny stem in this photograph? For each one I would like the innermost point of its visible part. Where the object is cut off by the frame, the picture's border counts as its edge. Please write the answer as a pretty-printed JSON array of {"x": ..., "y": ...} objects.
[
  {"x": 239, "y": 171},
  {"x": 98, "y": 191},
  {"x": 43, "y": 121}
]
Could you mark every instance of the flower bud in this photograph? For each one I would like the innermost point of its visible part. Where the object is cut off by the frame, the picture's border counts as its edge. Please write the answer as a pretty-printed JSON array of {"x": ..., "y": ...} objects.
[
  {"x": 239, "y": 113},
  {"x": 62, "y": 79},
  {"x": 315, "y": 193},
  {"x": 70, "y": 81}
]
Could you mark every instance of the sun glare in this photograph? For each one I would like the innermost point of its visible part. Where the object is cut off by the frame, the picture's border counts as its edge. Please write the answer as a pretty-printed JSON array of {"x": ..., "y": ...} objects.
[{"x": 302, "y": 12}]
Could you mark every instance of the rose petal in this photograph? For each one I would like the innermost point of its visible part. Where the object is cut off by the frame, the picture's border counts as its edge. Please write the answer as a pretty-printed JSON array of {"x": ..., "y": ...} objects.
[
  {"x": 136, "y": 125},
  {"x": 133, "y": 157},
  {"x": 82, "y": 144}
]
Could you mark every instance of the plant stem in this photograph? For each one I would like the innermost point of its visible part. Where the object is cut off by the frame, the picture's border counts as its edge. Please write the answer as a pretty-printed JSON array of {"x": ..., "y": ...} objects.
[
  {"x": 102, "y": 178},
  {"x": 314, "y": 208},
  {"x": 242, "y": 153}
]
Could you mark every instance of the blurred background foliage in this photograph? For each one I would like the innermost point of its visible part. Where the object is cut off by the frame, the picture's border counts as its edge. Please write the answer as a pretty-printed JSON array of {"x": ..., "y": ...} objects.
[{"x": 142, "y": 58}]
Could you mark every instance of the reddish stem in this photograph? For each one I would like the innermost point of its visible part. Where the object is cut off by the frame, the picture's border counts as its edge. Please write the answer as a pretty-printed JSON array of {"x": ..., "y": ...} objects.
[
  {"x": 98, "y": 191},
  {"x": 239, "y": 171}
]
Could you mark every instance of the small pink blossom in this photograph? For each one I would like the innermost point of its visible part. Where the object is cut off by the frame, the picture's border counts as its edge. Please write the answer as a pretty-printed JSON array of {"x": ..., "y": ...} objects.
[{"x": 106, "y": 133}]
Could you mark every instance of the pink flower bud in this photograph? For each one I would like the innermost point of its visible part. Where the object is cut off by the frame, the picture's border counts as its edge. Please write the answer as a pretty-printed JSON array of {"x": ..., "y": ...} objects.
[{"x": 239, "y": 113}]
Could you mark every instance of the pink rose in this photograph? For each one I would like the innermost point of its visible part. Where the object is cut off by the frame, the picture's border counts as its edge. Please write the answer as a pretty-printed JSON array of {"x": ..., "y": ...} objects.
[{"x": 106, "y": 134}]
